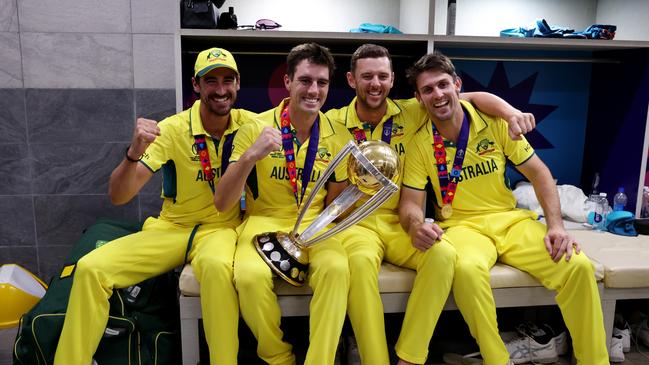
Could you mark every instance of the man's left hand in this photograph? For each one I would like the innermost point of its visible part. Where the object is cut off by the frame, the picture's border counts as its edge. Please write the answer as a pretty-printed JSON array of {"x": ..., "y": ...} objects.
[
  {"x": 558, "y": 241},
  {"x": 519, "y": 124}
]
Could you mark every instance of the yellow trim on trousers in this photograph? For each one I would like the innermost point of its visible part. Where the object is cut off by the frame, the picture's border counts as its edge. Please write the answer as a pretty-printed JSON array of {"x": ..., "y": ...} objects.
[
  {"x": 328, "y": 277},
  {"x": 158, "y": 248}
]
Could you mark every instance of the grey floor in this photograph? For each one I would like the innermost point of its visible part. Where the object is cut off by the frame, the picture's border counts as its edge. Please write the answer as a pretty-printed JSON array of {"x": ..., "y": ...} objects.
[{"x": 7, "y": 337}]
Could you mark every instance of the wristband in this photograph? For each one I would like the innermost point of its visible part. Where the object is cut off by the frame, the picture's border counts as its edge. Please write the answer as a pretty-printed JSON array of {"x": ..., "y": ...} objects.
[{"x": 129, "y": 159}]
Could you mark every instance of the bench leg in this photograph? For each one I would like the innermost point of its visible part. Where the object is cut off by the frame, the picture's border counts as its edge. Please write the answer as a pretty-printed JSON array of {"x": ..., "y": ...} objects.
[
  {"x": 608, "y": 309},
  {"x": 190, "y": 312}
]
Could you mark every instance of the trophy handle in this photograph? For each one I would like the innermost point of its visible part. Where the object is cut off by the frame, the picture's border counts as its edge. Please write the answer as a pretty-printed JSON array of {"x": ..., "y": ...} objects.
[
  {"x": 363, "y": 211},
  {"x": 346, "y": 199},
  {"x": 350, "y": 146}
]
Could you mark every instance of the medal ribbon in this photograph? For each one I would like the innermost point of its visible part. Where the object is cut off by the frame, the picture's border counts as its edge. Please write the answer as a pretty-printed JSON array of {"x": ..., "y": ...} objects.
[
  {"x": 289, "y": 153},
  {"x": 448, "y": 184},
  {"x": 204, "y": 156},
  {"x": 361, "y": 136}
]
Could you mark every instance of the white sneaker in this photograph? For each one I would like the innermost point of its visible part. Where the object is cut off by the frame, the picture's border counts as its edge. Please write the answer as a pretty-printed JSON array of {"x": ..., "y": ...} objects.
[
  {"x": 561, "y": 343},
  {"x": 625, "y": 336},
  {"x": 616, "y": 353},
  {"x": 524, "y": 349}
]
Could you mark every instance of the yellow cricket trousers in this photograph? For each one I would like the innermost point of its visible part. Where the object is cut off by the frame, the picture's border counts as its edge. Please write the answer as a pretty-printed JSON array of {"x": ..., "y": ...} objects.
[
  {"x": 516, "y": 239},
  {"x": 158, "y": 248},
  {"x": 365, "y": 248},
  {"x": 328, "y": 277},
  {"x": 435, "y": 268}
]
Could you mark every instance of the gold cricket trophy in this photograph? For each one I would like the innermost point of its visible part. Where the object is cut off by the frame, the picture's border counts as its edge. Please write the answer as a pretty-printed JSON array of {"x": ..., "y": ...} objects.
[{"x": 373, "y": 168}]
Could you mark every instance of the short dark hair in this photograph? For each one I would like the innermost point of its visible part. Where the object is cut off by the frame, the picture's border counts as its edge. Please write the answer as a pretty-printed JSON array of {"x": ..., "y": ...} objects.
[
  {"x": 312, "y": 52},
  {"x": 430, "y": 62},
  {"x": 369, "y": 50}
]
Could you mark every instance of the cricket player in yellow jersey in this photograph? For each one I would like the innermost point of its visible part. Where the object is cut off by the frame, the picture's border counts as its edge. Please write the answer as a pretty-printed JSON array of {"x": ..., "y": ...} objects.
[
  {"x": 463, "y": 153},
  {"x": 190, "y": 147},
  {"x": 262, "y": 160},
  {"x": 372, "y": 115}
]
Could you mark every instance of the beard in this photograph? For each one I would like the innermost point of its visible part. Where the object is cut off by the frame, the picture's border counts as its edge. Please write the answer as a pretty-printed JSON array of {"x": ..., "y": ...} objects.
[{"x": 219, "y": 108}]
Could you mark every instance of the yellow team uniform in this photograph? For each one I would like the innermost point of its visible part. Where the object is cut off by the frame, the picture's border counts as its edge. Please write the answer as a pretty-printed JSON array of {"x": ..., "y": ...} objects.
[
  {"x": 381, "y": 234},
  {"x": 162, "y": 245},
  {"x": 486, "y": 227},
  {"x": 272, "y": 207}
]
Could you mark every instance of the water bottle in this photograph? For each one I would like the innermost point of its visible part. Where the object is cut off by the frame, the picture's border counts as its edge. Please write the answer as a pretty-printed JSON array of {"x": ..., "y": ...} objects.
[
  {"x": 619, "y": 200},
  {"x": 601, "y": 212}
]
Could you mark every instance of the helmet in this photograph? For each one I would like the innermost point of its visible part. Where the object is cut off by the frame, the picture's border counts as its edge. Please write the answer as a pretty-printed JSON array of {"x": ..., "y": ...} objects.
[{"x": 20, "y": 290}]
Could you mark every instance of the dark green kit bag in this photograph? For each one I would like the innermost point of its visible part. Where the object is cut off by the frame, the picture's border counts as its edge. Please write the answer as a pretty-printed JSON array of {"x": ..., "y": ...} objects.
[{"x": 143, "y": 326}]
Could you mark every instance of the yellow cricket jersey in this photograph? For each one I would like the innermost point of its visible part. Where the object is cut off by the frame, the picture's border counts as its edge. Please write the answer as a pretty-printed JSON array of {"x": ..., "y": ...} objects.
[
  {"x": 188, "y": 198},
  {"x": 482, "y": 187},
  {"x": 407, "y": 117},
  {"x": 269, "y": 190}
]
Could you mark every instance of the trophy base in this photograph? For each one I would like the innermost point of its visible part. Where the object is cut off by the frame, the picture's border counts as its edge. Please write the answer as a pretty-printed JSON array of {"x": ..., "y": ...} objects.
[{"x": 274, "y": 248}]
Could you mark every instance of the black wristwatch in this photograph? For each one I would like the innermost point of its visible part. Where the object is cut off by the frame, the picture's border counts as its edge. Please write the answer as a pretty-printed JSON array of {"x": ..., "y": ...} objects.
[{"x": 128, "y": 158}]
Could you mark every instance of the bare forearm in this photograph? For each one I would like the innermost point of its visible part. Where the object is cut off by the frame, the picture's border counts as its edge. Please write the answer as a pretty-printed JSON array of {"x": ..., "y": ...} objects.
[
  {"x": 410, "y": 213},
  {"x": 490, "y": 103},
  {"x": 122, "y": 186},
  {"x": 548, "y": 196},
  {"x": 230, "y": 186}
]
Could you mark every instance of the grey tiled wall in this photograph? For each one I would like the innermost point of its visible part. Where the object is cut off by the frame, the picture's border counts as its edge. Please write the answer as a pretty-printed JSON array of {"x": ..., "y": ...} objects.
[{"x": 73, "y": 77}]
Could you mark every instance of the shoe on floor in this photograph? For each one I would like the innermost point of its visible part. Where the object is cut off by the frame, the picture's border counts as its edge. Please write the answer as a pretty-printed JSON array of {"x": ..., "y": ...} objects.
[
  {"x": 523, "y": 348},
  {"x": 616, "y": 353},
  {"x": 543, "y": 334}
]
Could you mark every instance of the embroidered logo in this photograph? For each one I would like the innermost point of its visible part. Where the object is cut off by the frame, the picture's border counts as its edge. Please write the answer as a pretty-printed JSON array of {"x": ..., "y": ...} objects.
[
  {"x": 485, "y": 146},
  {"x": 323, "y": 154}
]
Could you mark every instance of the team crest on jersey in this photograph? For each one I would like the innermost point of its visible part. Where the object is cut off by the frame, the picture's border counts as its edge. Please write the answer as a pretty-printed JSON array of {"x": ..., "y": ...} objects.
[
  {"x": 323, "y": 155},
  {"x": 485, "y": 146},
  {"x": 194, "y": 156},
  {"x": 397, "y": 130}
]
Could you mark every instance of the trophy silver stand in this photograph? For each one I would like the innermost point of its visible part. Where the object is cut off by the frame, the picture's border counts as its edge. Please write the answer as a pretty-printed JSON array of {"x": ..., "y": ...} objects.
[{"x": 373, "y": 167}]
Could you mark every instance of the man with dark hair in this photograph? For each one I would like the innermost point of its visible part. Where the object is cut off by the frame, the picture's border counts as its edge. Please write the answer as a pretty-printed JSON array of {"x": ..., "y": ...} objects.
[
  {"x": 463, "y": 153},
  {"x": 265, "y": 160},
  {"x": 372, "y": 115},
  {"x": 194, "y": 143}
]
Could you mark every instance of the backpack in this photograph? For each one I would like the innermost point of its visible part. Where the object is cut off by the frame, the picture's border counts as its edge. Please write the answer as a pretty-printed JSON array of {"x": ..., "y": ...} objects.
[{"x": 143, "y": 326}]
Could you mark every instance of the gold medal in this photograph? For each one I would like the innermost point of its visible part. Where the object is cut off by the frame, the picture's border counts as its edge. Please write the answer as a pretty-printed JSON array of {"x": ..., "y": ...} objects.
[{"x": 447, "y": 211}]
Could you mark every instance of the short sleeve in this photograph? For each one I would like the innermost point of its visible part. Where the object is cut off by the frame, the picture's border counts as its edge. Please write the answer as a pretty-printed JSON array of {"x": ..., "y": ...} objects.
[
  {"x": 517, "y": 151},
  {"x": 415, "y": 175},
  {"x": 245, "y": 138},
  {"x": 161, "y": 150}
]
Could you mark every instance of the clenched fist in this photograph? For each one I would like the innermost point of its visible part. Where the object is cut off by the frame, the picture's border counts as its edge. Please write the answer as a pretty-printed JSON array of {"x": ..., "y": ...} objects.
[
  {"x": 146, "y": 131},
  {"x": 520, "y": 124},
  {"x": 269, "y": 140}
]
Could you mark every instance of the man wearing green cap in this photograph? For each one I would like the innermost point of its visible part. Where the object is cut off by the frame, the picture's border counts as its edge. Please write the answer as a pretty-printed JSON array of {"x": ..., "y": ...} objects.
[{"x": 194, "y": 148}]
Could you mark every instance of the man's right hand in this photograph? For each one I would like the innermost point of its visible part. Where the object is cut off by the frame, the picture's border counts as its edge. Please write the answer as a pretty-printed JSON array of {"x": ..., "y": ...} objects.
[
  {"x": 146, "y": 131},
  {"x": 424, "y": 235},
  {"x": 268, "y": 141}
]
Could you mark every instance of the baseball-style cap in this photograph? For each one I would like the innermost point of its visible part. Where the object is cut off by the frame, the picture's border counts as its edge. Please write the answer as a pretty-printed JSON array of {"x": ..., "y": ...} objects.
[{"x": 212, "y": 58}]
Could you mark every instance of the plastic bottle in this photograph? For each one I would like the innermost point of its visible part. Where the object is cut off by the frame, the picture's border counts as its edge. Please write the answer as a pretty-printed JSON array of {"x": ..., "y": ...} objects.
[
  {"x": 601, "y": 212},
  {"x": 619, "y": 200}
]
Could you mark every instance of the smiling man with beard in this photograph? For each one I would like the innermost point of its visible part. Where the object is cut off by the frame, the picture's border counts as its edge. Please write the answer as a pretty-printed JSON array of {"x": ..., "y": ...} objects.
[
  {"x": 192, "y": 149},
  {"x": 372, "y": 115}
]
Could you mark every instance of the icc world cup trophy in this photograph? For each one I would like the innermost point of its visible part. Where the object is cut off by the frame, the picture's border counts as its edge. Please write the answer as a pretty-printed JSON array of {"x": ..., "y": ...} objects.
[{"x": 373, "y": 168}]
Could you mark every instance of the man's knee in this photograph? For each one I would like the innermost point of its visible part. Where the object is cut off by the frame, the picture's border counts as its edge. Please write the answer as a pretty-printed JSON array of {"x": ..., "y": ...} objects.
[
  {"x": 441, "y": 253},
  {"x": 213, "y": 265},
  {"x": 248, "y": 276}
]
